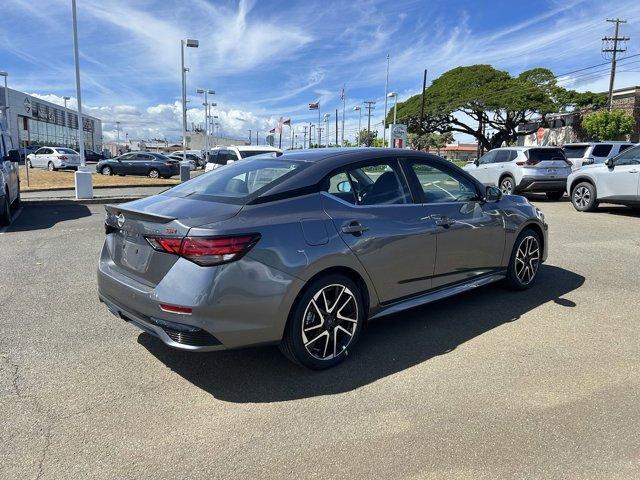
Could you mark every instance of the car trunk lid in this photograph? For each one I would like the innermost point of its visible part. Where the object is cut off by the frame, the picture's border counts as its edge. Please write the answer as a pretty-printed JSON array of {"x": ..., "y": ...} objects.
[{"x": 128, "y": 226}]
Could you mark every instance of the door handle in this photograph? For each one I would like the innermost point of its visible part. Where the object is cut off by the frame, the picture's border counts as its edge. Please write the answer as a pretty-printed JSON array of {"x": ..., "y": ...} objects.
[
  {"x": 354, "y": 228},
  {"x": 443, "y": 220},
  {"x": 633, "y": 171}
]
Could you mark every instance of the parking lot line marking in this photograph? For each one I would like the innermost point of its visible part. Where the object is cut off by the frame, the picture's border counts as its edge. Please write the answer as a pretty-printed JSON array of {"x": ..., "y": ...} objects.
[{"x": 13, "y": 219}]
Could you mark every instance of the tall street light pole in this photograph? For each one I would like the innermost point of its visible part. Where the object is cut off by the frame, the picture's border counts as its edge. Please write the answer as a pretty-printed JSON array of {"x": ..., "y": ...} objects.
[
  {"x": 326, "y": 123},
  {"x": 206, "y": 92},
  {"x": 66, "y": 121},
  {"x": 6, "y": 101},
  {"x": 358, "y": 109},
  {"x": 117, "y": 138},
  {"x": 191, "y": 43},
  {"x": 84, "y": 182},
  {"x": 384, "y": 120}
]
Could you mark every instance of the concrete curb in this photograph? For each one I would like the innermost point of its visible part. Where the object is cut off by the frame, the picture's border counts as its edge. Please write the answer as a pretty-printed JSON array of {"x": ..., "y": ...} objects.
[
  {"x": 73, "y": 201},
  {"x": 96, "y": 187}
]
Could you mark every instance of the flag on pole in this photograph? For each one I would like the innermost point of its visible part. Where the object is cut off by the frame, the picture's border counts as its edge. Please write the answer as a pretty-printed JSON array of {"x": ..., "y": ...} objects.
[
  {"x": 273, "y": 130},
  {"x": 287, "y": 121},
  {"x": 314, "y": 105},
  {"x": 342, "y": 93}
]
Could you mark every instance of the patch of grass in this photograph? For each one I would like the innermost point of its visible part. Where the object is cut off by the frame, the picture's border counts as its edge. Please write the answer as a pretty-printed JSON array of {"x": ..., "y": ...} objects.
[{"x": 40, "y": 179}]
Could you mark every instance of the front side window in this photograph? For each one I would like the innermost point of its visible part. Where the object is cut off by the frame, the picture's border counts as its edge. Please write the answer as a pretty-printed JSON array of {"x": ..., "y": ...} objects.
[
  {"x": 602, "y": 150},
  {"x": 440, "y": 185},
  {"x": 487, "y": 158},
  {"x": 377, "y": 184},
  {"x": 629, "y": 157},
  {"x": 624, "y": 147}
]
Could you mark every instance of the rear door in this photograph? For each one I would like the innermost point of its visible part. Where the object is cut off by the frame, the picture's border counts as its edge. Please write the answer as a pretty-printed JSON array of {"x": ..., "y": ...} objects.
[
  {"x": 620, "y": 183},
  {"x": 40, "y": 157},
  {"x": 374, "y": 214},
  {"x": 470, "y": 232}
]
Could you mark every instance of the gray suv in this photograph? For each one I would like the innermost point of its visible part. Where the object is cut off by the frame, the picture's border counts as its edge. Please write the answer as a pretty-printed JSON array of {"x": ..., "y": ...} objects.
[{"x": 300, "y": 250}]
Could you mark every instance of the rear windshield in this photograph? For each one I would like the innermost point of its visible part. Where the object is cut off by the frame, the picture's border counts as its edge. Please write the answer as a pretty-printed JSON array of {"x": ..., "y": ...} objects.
[
  {"x": 575, "y": 151},
  {"x": 238, "y": 182},
  {"x": 66, "y": 150},
  {"x": 252, "y": 153},
  {"x": 546, "y": 154}
]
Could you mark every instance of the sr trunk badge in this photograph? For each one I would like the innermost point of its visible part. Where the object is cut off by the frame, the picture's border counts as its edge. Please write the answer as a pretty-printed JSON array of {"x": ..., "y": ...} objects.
[{"x": 120, "y": 219}]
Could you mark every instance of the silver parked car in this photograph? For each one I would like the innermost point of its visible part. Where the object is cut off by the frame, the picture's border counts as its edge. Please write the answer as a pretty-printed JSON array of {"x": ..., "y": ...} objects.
[
  {"x": 302, "y": 249},
  {"x": 53, "y": 158},
  {"x": 524, "y": 170},
  {"x": 616, "y": 181}
]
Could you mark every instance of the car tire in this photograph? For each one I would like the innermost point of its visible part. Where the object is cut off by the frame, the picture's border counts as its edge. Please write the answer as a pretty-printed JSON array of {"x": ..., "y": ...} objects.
[
  {"x": 525, "y": 262},
  {"x": 324, "y": 323},
  {"x": 5, "y": 218},
  {"x": 554, "y": 196},
  {"x": 17, "y": 203},
  {"x": 584, "y": 197},
  {"x": 28, "y": 162},
  {"x": 507, "y": 185},
  {"x": 153, "y": 173},
  {"x": 51, "y": 167},
  {"x": 106, "y": 170}
]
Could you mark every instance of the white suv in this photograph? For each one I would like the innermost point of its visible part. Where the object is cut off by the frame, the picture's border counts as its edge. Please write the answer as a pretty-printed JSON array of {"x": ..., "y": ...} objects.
[
  {"x": 615, "y": 181},
  {"x": 523, "y": 170},
  {"x": 224, "y": 155},
  {"x": 588, "y": 153},
  {"x": 9, "y": 175}
]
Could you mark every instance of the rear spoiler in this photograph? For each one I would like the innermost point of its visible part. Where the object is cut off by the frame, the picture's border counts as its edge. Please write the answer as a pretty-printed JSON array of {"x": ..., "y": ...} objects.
[{"x": 115, "y": 210}]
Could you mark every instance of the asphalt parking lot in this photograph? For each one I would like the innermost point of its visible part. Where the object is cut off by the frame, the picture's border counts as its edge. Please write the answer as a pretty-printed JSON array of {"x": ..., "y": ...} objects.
[{"x": 491, "y": 384}]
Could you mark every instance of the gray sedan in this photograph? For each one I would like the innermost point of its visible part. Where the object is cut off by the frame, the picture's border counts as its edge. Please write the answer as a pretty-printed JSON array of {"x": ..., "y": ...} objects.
[{"x": 302, "y": 249}]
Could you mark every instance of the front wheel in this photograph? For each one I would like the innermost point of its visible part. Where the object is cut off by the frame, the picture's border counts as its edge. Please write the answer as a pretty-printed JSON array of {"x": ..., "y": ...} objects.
[
  {"x": 584, "y": 198},
  {"x": 525, "y": 260},
  {"x": 28, "y": 162},
  {"x": 555, "y": 196},
  {"x": 507, "y": 185},
  {"x": 106, "y": 170},
  {"x": 325, "y": 323},
  {"x": 5, "y": 218}
]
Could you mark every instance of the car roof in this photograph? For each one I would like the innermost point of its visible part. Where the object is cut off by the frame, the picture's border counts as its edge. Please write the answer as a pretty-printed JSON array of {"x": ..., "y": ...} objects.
[
  {"x": 254, "y": 148},
  {"x": 588, "y": 144}
]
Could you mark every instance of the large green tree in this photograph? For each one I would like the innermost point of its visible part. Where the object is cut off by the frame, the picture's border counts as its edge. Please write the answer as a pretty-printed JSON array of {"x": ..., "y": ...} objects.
[
  {"x": 608, "y": 125},
  {"x": 479, "y": 98}
]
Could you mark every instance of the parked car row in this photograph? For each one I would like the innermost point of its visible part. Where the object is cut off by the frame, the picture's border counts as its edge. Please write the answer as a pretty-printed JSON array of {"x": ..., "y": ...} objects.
[{"x": 548, "y": 170}]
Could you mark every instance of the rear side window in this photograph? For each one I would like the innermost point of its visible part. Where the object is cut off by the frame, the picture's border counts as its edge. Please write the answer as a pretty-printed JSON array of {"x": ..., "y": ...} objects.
[
  {"x": 252, "y": 153},
  {"x": 575, "y": 151},
  {"x": 545, "y": 154},
  {"x": 502, "y": 156},
  {"x": 602, "y": 150},
  {"x": 377, "y": 184},
  {"x": 68, "y": 151}
]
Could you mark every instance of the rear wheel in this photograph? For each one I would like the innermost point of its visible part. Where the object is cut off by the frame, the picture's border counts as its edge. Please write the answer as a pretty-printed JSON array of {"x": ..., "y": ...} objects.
[
  {"x": 153, "y": 173},
  {"x": 584, "y": 197},
  {"x": 525, "y": 260},
  {"x": 324, "y": 323},
  {"x": 507, "y": 185},
  {"x": 5, "y": 218},
  {"x": 51, "y": 167},
  {"x": 554, "y": 195}
]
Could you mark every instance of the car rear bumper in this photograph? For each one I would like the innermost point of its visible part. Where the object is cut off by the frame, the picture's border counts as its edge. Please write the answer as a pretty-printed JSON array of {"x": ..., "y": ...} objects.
[
  {"x": 235, "y": 305},
  {"x": 542, "y": 184}
]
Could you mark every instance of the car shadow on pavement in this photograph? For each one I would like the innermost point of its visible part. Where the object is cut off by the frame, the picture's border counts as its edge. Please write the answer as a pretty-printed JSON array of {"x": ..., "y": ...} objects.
[
  {"x": 387, "y": 346},
  {"x": 42, "y": 217}
]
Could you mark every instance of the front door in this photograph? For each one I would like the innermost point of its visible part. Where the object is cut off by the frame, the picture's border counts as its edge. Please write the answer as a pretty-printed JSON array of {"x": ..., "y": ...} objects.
[
  {"x": 373, "y": 212},
  {"x": 470, "y": 232},
  {"x": 620, "y": 182}
]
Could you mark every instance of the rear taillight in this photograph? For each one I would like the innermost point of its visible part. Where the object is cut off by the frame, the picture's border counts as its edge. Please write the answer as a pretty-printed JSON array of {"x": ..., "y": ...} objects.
[
  {"x": 206, "y": 251},
  {"x": 62, "y": 157}
]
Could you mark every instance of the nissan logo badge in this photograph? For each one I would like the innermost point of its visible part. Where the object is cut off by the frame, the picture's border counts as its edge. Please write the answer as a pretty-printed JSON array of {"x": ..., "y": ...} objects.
[{"x": 120, "y": 219}]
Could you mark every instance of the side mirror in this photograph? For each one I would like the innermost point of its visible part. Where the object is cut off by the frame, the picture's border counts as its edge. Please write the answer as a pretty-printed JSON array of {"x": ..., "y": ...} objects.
[
  {"x": 344, "y": 186},
  {"x": 493, "y": 194},
  {"x": 609, "y": 163},
  {"x": 476, "y": 162},
  {"x": 14, "y": 156}
]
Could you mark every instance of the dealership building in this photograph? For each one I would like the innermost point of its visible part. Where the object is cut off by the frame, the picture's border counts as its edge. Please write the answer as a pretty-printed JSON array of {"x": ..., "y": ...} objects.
[{"x": 37, "y": 122}]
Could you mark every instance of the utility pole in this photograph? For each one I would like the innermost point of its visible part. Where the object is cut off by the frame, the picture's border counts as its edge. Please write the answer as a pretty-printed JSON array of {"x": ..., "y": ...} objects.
[
  {"x": 610, "y": 48},
  {"x": 336, "y": 127},
  {"x": 384, "y": 119},
  {"x": 369, "y": 105},
  {"x": 424, "y": 87}
]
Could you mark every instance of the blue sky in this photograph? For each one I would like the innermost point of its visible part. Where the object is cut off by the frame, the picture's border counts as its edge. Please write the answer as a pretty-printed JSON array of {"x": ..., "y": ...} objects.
[{"x": 267, "y": 59}]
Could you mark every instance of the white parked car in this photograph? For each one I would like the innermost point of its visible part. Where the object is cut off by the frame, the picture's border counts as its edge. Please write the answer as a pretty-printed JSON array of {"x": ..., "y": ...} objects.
[
  {"x": 615, "y": 181},
  {"x": 587, "y": 153},
  {"x": 225, "y": 155},
  {"x": 53, "y": 158},
  {"x": 192, "y": 160},
  {"x": 524, "y": 170}
]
